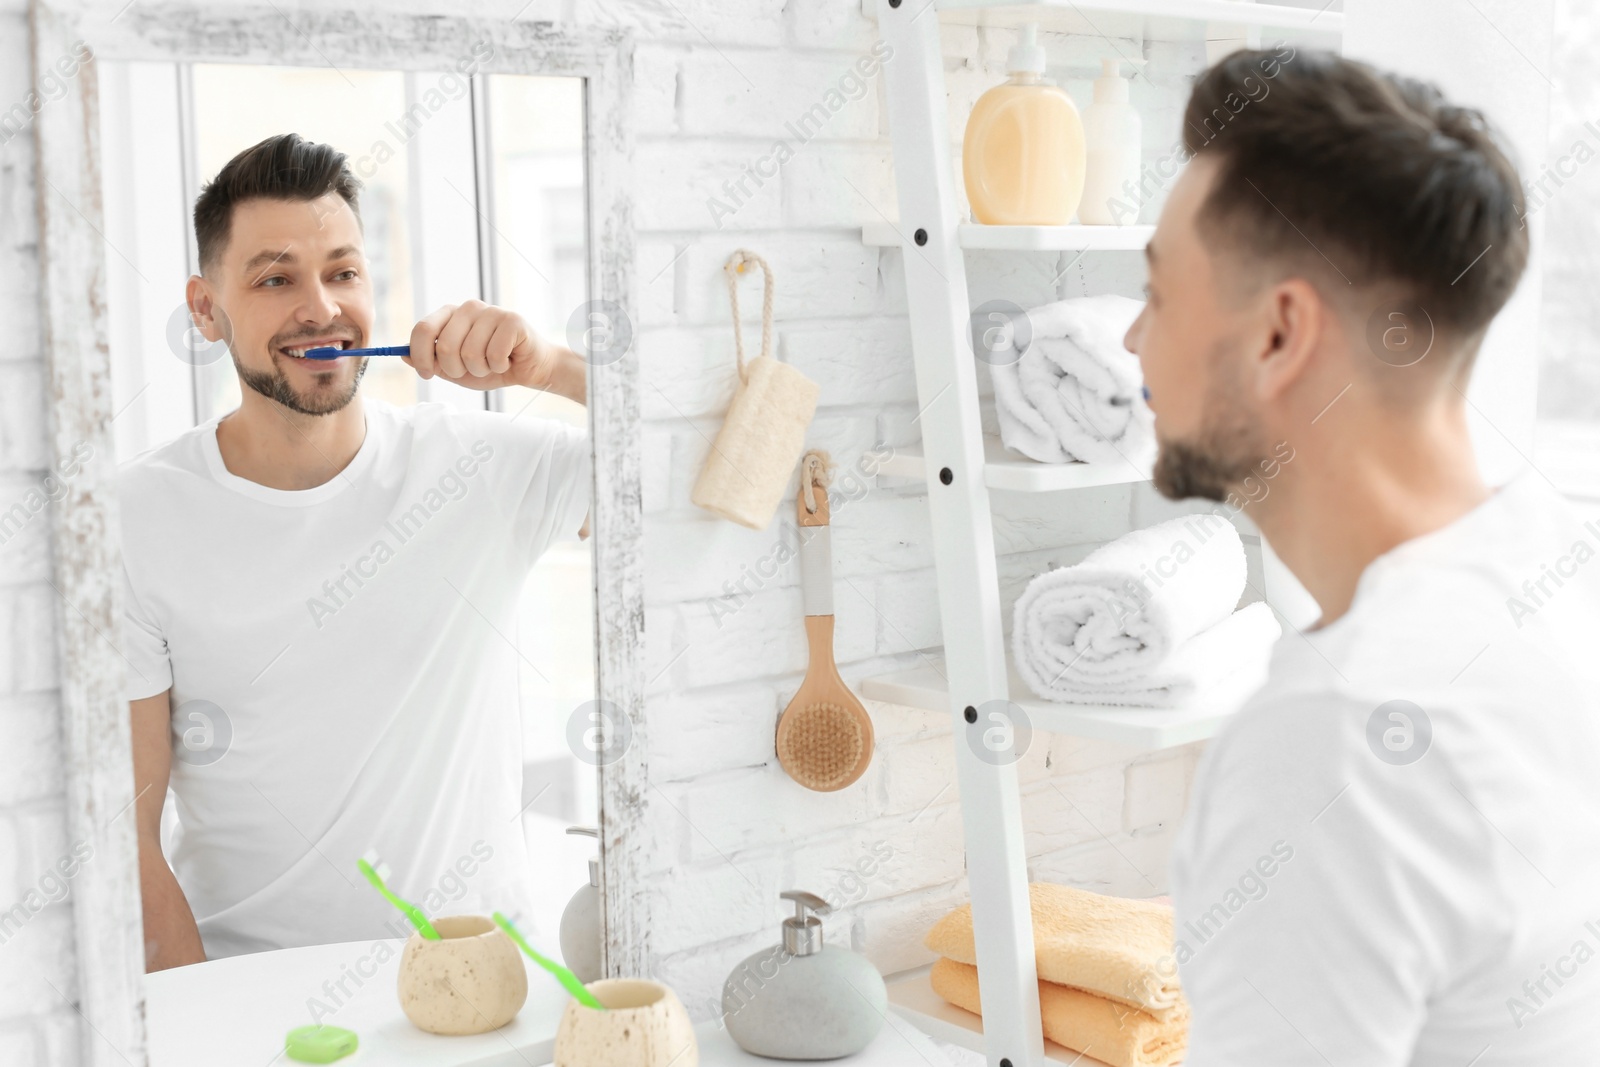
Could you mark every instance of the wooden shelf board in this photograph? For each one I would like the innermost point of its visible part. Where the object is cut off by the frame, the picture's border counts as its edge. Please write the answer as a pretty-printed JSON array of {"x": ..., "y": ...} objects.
[
  {"x": 1145, "y": 729},
  {"x": 1158, "y": 20},
  {"x": 911, "y": 996},
  {"x": 1023, "y": 238},
  {"x": 1003, "y": 469}
]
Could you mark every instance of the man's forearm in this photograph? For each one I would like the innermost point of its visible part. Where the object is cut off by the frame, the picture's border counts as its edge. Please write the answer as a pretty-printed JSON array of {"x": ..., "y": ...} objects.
[
  {"x": 171, "y": 938},
  {"x": 571, "y": 377}
]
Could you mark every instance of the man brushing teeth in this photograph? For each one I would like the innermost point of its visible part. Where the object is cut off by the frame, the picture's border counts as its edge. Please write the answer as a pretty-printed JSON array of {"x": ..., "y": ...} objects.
[{"x": 317, "y": 589}]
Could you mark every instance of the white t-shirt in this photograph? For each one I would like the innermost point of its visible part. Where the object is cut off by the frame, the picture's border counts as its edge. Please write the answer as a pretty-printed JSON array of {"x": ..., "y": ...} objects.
[
  {"x": 1358, "y": 882},
  {"x": 357, "y": 639}
]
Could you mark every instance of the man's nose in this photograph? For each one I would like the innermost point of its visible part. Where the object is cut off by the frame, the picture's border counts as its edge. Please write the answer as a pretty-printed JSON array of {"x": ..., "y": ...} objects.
[
  {"x": 320, "y": 305},
  {"x": 1130, "y": 340}
]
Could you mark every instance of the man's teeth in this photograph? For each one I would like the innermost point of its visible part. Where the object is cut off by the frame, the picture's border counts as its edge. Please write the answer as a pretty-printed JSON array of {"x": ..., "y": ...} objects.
[{"x": 299, "y": 352}]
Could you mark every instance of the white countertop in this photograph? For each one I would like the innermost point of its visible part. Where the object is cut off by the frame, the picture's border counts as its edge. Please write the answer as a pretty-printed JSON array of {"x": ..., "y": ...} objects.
[{"x": 237, "y": 1010}]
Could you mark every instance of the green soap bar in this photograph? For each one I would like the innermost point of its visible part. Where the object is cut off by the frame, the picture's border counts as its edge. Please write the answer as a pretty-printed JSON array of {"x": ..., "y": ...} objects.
[{"x": 319, "y": 1044}]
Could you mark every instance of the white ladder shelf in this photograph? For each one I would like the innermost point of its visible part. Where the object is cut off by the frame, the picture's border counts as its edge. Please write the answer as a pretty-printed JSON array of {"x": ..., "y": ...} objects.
[{"x": 961, "y": 466}]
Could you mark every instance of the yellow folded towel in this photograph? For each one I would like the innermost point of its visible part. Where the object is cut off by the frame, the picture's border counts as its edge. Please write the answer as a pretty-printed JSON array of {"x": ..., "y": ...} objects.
[
  {"x": 1113, "y": 947},
  {"x": 1105, "y": 1029}
]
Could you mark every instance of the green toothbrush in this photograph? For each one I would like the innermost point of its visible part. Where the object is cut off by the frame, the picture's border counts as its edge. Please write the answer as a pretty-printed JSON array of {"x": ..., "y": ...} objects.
[
  {"x": 564, "y": 976},
  {"x": 411, "y": 911}
]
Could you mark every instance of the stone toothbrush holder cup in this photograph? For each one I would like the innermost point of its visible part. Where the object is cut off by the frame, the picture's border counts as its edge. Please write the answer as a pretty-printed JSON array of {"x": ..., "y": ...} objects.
[
  {"x": 470, "y": 981},
  {"x": 644, "y": 1025}
]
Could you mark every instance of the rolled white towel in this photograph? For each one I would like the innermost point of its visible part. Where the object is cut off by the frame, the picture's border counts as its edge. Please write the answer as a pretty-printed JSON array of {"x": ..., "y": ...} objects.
[
  {"x": 1228, "y": 662},
  {"x": 1146, "y": 620},
  {"x": 1073, "y": 392}
]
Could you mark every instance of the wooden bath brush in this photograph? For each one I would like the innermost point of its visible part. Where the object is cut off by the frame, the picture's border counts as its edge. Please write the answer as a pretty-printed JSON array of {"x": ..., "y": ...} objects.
[{"x": 824, "y": 735}]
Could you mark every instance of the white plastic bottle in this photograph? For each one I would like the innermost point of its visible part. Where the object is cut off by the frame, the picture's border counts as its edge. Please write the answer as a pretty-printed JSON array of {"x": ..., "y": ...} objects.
[{"x": 1112, "y": 136}]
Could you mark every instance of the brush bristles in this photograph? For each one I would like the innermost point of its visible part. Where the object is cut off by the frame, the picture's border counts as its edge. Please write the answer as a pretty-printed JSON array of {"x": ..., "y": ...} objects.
[
  {"x": 821, "y": 745},
  {"x": 380, "y": 868}
]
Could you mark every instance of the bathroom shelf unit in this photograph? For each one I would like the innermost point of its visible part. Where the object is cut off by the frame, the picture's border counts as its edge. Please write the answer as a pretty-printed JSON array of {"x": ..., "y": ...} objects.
[
  {"x": 927, "y": 686},
  {"x": 960, "y": 468},
  {"x": 1003, "y": 469},
  {"x": 1024, "y": 238},
  {"x": 1155, "y": 20}
]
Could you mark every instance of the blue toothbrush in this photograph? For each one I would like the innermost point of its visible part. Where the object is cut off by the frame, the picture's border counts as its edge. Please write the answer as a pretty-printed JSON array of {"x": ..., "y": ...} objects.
[{"x": 335, "y": 353}]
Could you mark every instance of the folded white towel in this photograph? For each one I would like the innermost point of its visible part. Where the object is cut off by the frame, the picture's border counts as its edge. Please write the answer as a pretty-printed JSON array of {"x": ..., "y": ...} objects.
[
  {"x": 1146, "y": 620},
  {"x": 1074, "y": 392}
]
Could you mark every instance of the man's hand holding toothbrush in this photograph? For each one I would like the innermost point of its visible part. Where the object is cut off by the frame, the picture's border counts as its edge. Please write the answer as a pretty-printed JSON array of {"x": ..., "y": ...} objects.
[{"x": 482, "y": 346}]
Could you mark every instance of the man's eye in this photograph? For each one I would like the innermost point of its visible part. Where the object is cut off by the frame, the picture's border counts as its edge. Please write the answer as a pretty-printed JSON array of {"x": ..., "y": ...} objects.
[
  {"x": 274, "y": 281},
  {"x": 345, "y": 275}
]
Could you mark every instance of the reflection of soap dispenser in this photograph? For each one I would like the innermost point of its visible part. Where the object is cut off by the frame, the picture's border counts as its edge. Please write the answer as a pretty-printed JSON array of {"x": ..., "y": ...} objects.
[
  {"x": 804, "y": 1000},
  {"x": 1023, "y": 156},
  {"x": 580, "y": 922},
  {"x": 1112, "y": 136}
]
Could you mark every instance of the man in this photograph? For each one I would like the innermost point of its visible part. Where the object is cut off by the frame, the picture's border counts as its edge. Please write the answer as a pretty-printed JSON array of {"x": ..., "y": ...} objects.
[
  {"x": 321, "y": 590},
  {"x": 1391, "y": 852}
]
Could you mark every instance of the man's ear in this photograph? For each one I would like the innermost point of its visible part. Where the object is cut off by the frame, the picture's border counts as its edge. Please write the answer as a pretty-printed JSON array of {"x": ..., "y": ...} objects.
[
  {"x": 203, "y": 310},
  {"x": 1295, "y": 316}
]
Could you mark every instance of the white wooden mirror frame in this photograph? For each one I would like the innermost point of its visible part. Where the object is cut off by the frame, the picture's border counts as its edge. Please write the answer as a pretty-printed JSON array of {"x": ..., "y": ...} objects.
[{"x": 72, "y": 254}]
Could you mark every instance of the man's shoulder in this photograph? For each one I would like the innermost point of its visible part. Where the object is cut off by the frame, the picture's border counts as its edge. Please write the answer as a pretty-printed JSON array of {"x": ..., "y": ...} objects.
[
  {"x": 1430, "y": 651},
  {"x": 1425, "y": 614},
  {"x": 177, "y": 457},
  {"x": 433, "y": 417}
]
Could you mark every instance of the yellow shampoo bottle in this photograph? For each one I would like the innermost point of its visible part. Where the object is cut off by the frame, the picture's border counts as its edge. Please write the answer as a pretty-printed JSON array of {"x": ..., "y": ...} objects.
[{"x": 1023, "y": 155}]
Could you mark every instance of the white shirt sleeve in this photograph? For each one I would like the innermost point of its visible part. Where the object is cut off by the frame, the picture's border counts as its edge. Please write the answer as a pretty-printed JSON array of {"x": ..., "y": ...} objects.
[
  {"x": 143, "y": 646},
  {"x": 1314, "y": 889},
  {"x": 542, "y": 473},
  {"x": 571, "y": 464}
]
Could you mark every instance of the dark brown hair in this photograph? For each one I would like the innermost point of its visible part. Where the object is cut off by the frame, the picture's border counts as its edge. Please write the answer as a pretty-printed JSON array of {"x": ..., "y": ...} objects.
[
  {"x": 284, "y": 167},
  {"x": 1366, "y": 179}
]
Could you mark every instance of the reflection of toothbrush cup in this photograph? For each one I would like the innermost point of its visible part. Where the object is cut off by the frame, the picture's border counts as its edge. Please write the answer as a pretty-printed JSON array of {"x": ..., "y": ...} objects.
[{"x": 378, "y": 872}]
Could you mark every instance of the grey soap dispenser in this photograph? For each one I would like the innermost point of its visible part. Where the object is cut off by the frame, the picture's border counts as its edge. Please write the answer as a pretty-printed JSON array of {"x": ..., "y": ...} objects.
[
  {"x": 580, "y": 922},
  {"x": 802, "y": 999}
]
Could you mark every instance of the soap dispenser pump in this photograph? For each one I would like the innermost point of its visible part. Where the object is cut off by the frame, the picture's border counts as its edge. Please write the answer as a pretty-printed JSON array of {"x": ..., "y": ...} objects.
[
  {"x": 804, "y": 999},
  {"x": 580, "y": 922}
]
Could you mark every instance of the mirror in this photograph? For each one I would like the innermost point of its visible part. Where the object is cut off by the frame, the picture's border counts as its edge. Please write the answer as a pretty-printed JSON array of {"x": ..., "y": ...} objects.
[
  {"x": 359, "y": 657},
  {"x": 375, "y": 618}
]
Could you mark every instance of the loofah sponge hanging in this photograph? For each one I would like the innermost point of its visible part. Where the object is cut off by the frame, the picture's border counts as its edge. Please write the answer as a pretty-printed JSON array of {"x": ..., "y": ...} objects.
[{"x": 748, "y": 467}]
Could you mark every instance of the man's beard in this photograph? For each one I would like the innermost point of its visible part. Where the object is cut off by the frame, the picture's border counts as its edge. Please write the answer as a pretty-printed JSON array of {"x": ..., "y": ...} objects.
[
  {"x": 1223, "y": 454},
  {"x": 274, "y": 385}
]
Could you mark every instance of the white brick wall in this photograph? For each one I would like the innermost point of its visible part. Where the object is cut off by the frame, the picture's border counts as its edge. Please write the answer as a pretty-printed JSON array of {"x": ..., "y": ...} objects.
[
  {"x": 733, "y": 829},
  {"x": 717, "y": 81}
]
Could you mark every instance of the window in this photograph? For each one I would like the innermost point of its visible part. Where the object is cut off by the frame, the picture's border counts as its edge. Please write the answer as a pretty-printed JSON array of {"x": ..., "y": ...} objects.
[{"x": 1565, "y": 190}]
